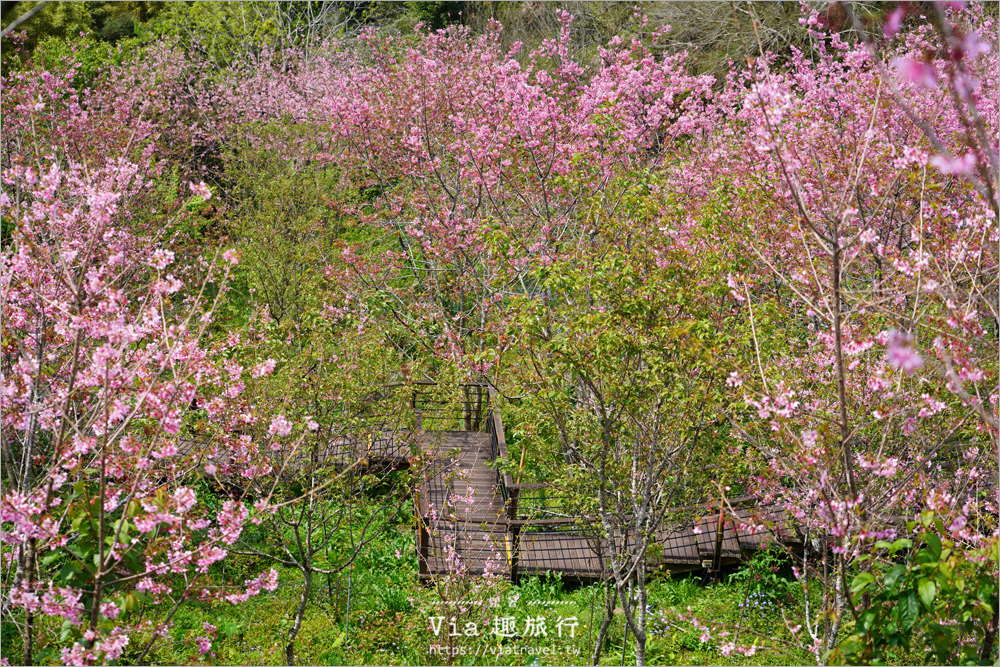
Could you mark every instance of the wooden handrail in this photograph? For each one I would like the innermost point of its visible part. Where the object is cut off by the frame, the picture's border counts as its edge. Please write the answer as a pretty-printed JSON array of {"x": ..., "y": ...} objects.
[
  {"x": 541, "y": 522},
  {"x": 432, "y": 383},
  {"x": 510, "y": 491},
  {"x": 501, "y": 437}
]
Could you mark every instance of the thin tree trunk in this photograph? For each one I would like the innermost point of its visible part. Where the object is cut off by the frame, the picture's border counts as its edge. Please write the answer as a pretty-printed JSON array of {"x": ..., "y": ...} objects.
[
  {"x": 631, "y": 598},
  {"x": 641, "y": 636},
  {"x": 300, "y": 612},
  {"x": 845, "y": 428},
  {"x": 609, "y": 611},
  {"x": 29, "y": 618},
  {"x": 985, "y": 655},
  {"x": 833, "y": 629}
]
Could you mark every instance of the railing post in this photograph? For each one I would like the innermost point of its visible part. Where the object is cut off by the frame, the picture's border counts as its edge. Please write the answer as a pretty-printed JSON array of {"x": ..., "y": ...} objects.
[
  {"x": 423, "y": 547},
  {"x": 477, "y": 417},
  {"x": 423, "y": 538},
  {"x": 720, "y": 532},
  {"x": 466, "y": 407},
  {"x": 515, "y": 534}
]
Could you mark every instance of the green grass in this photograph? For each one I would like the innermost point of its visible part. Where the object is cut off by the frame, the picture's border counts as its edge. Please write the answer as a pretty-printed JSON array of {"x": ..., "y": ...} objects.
[{"x": 389, "y": 623}]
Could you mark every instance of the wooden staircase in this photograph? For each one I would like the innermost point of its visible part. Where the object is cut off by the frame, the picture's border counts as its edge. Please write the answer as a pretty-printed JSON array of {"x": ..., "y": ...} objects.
[
  {"x": 468, "y": 518},
  {"x": 460, "y": 509}
]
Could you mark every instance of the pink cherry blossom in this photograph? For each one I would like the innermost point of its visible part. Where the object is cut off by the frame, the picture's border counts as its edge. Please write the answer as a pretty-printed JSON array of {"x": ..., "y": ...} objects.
[
  {"x": 264, "y": 368},
  {"x": 901, "y": 353},
  {"x": 280, "y": 426},
  {"x": 917, "y": 72}
]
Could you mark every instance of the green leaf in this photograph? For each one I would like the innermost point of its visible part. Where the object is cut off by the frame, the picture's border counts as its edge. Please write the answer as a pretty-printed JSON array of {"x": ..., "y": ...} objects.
[
  {"x": 865, "y": 621},
  {"x": 339, "y": 640},
  {"x": 43, "y": 655},
  {"x": 67, "y": 573},
  {"x": 230, "y": 628},
  {"x": 901, "y": 543},
  {"x": 927, "y": 590},
  {"x": 909, "y": 610},
  {"x": 861, "y": 582},
  {"x": 934, "y": 544},
  {"x": 894, "y": 574}
]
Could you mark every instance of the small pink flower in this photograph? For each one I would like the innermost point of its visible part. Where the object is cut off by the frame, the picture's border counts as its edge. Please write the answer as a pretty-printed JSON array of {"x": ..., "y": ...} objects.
[
  {"x": 894, "y": 21},
  {"x": 185, "y": 499},
  {"x": 956, "y": 165},
  {"x": 231, "y": 256},
  {"x": 901, "y": 353},
  {"x": 280, "y": 426},
  {"x": 201, "y": 190},
  {"x": 110, "y": 610},
  {"x": 916, "y": 72},
  {"x": 974, "y": 46},
  {"x": 269, "y": 581},
  {"x": 264, "y": 368},
  {"x": 204, "y": 645},
  {"x": 161, "y": 259},
  {"x": 735, "y": 289}
]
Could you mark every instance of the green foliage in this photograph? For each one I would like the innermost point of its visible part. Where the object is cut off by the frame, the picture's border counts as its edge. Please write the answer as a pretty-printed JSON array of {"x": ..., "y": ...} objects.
[
  {"x": 929, "y": 590},
  {"x": 436, "y": 15},
  {"x": 76, "y": 563},
  {"x": 221, "y": 30},
  {"x": 542, "y": 589},
  {"x": 114, "y": 21},
  {"x": 765, "y": 581},
  {"x": 10, "y": 638},
  {"x": 626, "y": 321},
  {"x": 63, "y": 20},
  {"x": 283, "y": 222},
  {"x": 91, "y": 56}
]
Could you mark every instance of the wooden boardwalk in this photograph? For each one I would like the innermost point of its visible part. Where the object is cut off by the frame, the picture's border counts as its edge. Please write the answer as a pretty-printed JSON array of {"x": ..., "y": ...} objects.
[
  {"x": 474, "y": 520},
  {"x": 469, "y": 520},
  {"x": 461, "y": 509}
]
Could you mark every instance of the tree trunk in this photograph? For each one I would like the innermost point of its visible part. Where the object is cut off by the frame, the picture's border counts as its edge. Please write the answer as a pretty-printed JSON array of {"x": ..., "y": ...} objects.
[
  {"x": 300, "y": 612},
  {"x": 845, "y": 427},
  {"x": 29, "y": 618},
  {"x": 640, "y": 618},
  {"x": 633, "y": 600},
  {"x": 986, "y": 653},
  {"x": 609, "y": 611}
]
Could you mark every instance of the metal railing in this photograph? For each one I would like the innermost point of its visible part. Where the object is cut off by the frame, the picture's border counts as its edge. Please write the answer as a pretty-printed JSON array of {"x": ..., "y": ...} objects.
[{"x": 442, "y": 412}]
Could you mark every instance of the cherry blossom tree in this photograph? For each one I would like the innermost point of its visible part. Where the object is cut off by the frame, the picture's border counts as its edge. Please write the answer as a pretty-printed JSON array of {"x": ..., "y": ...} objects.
[
  {"x": 870, "y": 290},
  {"x": 114, "y": 406}
]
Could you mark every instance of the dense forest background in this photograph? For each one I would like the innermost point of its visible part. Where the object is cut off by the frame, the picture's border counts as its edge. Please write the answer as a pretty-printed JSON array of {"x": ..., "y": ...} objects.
[{"x": 714, "y": 33}]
